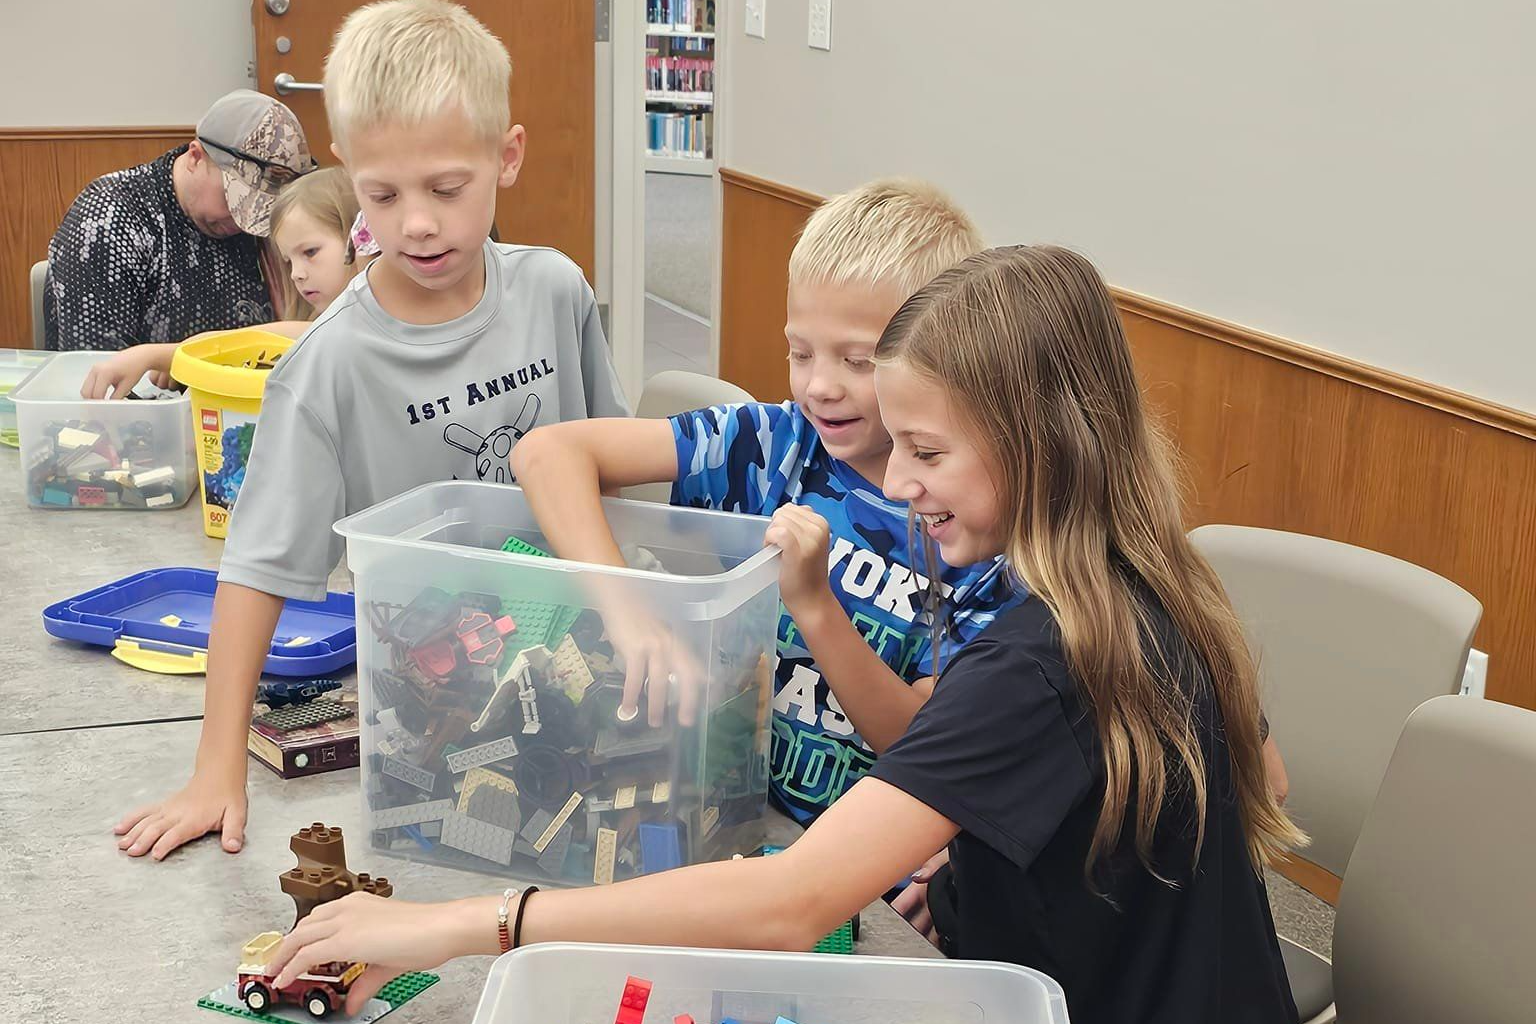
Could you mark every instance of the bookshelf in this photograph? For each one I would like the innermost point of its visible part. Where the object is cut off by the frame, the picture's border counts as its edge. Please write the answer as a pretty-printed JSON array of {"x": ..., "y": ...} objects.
[{"x": 679, "y": 86}]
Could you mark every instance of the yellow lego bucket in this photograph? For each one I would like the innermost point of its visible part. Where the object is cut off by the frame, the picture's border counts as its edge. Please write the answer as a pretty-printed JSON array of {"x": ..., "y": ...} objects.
[{"x": 225, "y": 374}]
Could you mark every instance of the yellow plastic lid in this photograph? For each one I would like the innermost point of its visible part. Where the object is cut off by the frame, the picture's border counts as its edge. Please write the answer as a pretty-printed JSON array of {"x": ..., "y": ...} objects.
[{"x": 225, "y": 363}]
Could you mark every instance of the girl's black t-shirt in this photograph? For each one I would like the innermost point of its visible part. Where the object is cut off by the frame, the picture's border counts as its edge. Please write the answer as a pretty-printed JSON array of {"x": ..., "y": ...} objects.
[{"x": 1007, "y": 750}]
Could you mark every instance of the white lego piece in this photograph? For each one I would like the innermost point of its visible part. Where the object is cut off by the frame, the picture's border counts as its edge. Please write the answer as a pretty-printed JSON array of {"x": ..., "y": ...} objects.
[
  {"x": 159, "y": 501},
  {"x": 485, "y": 753},
  {"x": 558, "y": 822},
  {"x": 73, "y": 437},
  {"x": 411, "y": 814},
  {"x": 150, "y": 477}
]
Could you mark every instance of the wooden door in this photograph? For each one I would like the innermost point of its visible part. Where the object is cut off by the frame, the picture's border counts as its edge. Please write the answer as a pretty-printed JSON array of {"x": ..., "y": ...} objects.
[{"x": 551, "y": 42}]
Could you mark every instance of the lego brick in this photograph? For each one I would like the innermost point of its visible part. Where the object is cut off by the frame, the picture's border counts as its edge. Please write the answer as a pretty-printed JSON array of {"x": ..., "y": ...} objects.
[
  {"x": 637, "y": 992},
  {"x": 300, "y": 716},
  {"x": 535, "y": 826},
  {"x": 571, "y": 674},
  {"x": 151, "y": 477},
  {"x": 159, "y": 501},
  {"x": 507, "y": 686},
  {"x": 839, "y": 941},
  {"x": 552, "y": 860},
  {"x": 607, "y": 851},
  {"x": 518, "y": 546},
  {"x": 485, "y": 753},
  {"x": 408, "y": 773},
  {"x": 406, "y": 987},
  {"x": 557, "y": 822},
  {"x": 494, "y": 807},
  {"x": 321, "y": 874},
  {"x": 661, "y": 792},
  {"x": 490, "y": 842},
  {"x": 660, "y": 847},
  {"x": 411, "y": 814},
  {"x": 478, "y": 777},
  {"x": 72, "y": 438},
  {"x": 624, "y": 798}
]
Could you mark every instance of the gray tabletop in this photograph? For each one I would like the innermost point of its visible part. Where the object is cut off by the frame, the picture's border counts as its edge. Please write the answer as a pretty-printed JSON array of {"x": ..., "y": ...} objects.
[
  {"x": 49, "y": 555},
  {"x": 93, "y": 935}
]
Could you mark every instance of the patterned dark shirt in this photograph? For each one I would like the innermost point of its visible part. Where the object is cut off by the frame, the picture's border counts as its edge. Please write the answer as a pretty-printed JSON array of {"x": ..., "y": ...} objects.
[{"x": 128, "y": 266}]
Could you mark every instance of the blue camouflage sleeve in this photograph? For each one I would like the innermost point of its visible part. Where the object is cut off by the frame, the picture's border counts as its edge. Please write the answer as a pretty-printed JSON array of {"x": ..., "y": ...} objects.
[
  {"x": 965, "y": 615},
  {"x": 735, "y": 458}
]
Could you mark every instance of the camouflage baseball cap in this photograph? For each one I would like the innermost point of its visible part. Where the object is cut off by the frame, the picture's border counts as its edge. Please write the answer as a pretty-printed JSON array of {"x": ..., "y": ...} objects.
[{"x": 258, "y": 146}]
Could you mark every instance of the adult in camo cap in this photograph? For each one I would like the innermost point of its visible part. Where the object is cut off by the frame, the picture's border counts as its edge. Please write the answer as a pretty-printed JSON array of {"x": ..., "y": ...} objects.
[{"x": 172, "y": 248}]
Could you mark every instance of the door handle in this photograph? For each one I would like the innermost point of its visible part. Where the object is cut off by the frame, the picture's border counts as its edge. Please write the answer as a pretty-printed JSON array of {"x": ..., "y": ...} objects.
[{"x": 285, "y": 84}]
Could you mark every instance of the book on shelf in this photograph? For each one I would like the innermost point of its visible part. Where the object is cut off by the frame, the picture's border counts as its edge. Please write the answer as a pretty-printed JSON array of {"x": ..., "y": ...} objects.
[
  {"x": 690, "y": 15},
  {"x": 679, "y": 74},
  {"x": 679, "y": 134}
]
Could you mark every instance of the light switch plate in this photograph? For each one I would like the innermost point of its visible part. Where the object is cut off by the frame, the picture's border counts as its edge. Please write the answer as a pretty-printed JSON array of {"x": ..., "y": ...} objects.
[
  {"x": 757, "y": 18},
  {"x": 820, "y": 35}
]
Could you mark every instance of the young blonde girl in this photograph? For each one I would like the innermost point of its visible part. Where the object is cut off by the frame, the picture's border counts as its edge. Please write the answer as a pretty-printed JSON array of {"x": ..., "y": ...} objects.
[
  {"x": 311, "y": 236},
  {"x": 1092, "y": 759}
]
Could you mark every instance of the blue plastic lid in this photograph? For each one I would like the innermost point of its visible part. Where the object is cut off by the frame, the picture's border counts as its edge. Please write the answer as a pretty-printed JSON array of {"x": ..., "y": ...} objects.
[{"x": 313, "y": 638}]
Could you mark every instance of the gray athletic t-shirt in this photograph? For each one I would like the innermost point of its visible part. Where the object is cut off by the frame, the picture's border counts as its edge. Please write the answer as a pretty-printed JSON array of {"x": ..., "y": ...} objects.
[{"x": 365, "y": 407}]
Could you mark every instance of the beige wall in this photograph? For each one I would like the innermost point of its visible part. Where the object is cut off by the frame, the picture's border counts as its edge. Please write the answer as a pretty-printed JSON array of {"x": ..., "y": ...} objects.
[
  {"x": 1352, "y": 175},
  {"x": 116, "y": 62}
]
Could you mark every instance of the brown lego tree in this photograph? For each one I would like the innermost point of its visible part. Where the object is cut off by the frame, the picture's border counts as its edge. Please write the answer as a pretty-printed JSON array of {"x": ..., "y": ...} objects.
[{"x": 322, "y": 875}]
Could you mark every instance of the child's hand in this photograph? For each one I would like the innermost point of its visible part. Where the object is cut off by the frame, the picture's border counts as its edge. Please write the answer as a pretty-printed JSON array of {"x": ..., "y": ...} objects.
[
  {"x": 203, "y": 805},
  {"x": 912, "y": 902},
  {"x": 117, "y": 376},
  {"x": 655, "y": 663},
  {"x": 805, "y": 539},
  {"x": 391, "y": 936}
]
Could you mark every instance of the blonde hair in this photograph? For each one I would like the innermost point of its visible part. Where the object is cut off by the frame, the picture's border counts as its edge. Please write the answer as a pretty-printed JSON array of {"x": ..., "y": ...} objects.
[
  {"x": 407, "y": 61},
  {"x": 326, "y": 196},
  {"x": 893, "y": 231},
  {"x": 1031, "y": 339}
]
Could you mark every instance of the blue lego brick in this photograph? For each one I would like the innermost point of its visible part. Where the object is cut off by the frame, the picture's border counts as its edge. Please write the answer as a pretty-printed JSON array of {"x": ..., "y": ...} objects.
[{"x": 660, "y": 847}]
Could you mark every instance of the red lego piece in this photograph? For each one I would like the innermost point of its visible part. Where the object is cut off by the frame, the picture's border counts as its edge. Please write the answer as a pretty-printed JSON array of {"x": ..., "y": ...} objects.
[
  {"x": 481, "y": 636},
  {"x": 91, "y": 496},
  {"x": 682, "y": 1018},
  {"x": 637, "y": 993}
]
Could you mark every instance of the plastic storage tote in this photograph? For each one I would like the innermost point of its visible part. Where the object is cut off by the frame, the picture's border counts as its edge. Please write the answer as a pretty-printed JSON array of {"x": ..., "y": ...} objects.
[
  {"x": 15, "y": 365},
  {"x": 225, "y": 375},
  {"x": 122, "y": 454},
  {"x": 566, "y": 983},
  {"x": 490, "y": 694}
]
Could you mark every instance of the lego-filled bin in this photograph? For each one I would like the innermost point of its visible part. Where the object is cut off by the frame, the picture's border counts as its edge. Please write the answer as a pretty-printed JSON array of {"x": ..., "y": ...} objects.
[
  {"x": 490, "y": 691},
  {"x": 226, "y": 375},
  {"x": 104, "y": 453},
  {"x": 15, "y": 366},
  {"x": 567, "y": 983}
]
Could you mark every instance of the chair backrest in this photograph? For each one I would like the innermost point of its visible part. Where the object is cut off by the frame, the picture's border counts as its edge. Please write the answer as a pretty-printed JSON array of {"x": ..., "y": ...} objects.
[
  {"x": 1349, "y": 642},
  {"x": 674, "y": 391},
  {"x": 39, "y": 280},
  {"x": 1437, "y": 916}
]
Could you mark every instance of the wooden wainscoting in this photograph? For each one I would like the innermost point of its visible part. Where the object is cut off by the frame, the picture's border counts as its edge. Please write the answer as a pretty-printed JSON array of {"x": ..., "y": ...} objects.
[
  {"x": 42, "y": 170},
  {"x": 1272, "y": 433}
]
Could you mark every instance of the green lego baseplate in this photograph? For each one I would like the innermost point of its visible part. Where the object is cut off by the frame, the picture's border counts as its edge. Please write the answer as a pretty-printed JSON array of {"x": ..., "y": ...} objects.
[
  {"x": 840, "y": 941},
  {"x": 539, "y": 623},
  {"x": 518, "y": 546},
  {"x": 397, "y": 993}
]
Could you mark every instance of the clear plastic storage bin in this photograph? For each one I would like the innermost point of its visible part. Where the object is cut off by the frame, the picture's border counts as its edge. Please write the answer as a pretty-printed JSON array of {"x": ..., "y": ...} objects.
[
  {"x": 15, "y": 364},
  {"x": 566, "y": 983},
  {"x": 123, "y": 454},
  {"x": 490, "y": 694}
]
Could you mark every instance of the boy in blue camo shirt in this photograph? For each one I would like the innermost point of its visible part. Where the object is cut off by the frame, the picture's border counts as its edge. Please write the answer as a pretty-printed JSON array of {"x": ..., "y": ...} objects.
[{"x": 854, "y": 634}]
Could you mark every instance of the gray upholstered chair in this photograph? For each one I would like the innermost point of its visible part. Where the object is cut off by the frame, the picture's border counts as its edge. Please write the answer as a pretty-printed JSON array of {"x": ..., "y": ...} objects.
[
  {"x": 673, "y": 391},
  {"x": 1349, "y": 642}
]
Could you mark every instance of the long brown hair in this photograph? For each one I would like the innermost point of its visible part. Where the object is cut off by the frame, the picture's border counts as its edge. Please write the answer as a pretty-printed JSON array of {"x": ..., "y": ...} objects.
[
  {"x": 327, "y": 196},
  {"x": 1027, "y": 342}
]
